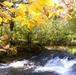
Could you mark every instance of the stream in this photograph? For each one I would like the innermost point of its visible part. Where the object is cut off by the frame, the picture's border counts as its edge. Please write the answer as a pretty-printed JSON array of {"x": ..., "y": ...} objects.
[{"x": 46, "y": 63}]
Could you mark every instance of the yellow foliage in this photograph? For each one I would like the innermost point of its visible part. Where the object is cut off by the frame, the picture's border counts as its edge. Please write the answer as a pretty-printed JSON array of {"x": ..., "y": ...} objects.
[
  {"x": 38, "y": 21},
  {"x": 5, "y": 21},
  {"x": 55, "y": 5},
  {"x": 30, "y": 26},
  {"x": 12, "y": 19},
  {"x": 56, "y": 13},
  {"x": 12, "y": 10},
  {"x": 25, "y": 22},
  {"x": 67, "y": 16},
  {"x": 61, "y": 8},
  {"x": 18, "y": 18},
  {"x": 0, "y": 20},
  {"x": 35, "y": 8},
  {"x": 48, "y": 3},
  {"x": 4, "y": 15},
  {"x": 6, "y": 3},
  {"x": 35, "y": 21},
  {"x": 48, "y": 13},
  {"x": 41, "y": 21},
  {"x": 21, "y": 10}
]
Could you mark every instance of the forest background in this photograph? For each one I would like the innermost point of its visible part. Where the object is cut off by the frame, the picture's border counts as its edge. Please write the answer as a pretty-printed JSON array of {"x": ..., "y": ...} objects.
[{"x": 33, "y": 25}]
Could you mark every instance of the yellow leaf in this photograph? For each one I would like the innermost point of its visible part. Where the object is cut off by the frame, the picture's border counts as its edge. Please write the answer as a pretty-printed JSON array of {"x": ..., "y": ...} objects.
[
  {"x": 21, "y": 10},
  {"x": 13, "y": 19},
  {"x": 30, "y": 26},
  {"x": 48, "y": 3},
  {"x": 25, "y": 22},
  {"x": 12, "y": 10},
  {"x": 41, "y": 21},
  {"x": 56, "y": 13},
  {"x": 5, "y": 21},
  {"x": 55, "y": 5},
  {"x": 37, "y": 21},
  {"x": 4, "y": 15},
  {"x": 67, "y": 16},
  {"x": 24, "y": 18},
  {"x": 61, "y": 8},
  {"x": 18, "y": 18},
  {"x": 6, "y": 3},
  {"x": 0, "y": 20},
  {"x": 48, "y": 13},
  {"x": 35, "y": 8}
]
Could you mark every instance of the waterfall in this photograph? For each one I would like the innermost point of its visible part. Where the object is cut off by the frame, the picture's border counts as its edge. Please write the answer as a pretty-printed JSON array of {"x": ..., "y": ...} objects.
[
  {"x": 58, "y": 62},
  {"x": 60, "y": 66}
]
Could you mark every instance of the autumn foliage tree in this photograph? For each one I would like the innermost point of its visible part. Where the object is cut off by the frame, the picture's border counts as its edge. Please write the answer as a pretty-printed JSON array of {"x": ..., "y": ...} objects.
[{"x": 34, "y": 13}]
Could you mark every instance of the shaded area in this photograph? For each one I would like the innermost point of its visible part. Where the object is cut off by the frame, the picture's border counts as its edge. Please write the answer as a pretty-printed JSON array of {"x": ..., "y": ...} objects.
[{"x": 23, "y": 52}]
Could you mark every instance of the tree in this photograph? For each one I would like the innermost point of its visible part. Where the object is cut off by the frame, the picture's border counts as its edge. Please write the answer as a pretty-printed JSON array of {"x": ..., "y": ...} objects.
[{"x": 30, "y": 14}]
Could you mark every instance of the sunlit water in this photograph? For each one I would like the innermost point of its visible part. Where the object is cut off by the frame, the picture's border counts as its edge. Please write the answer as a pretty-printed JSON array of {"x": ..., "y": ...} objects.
[{"x": 61, "y": 66}]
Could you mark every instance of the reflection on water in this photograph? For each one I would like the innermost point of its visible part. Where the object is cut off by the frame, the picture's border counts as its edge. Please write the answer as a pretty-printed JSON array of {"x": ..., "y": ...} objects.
[{"x": 46, "y": 63}]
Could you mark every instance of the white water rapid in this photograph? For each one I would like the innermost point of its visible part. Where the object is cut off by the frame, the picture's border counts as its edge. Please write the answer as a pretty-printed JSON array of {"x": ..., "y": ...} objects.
[
  {"x": 43, "y": 63},
  {"x": 60, "y": 66}
]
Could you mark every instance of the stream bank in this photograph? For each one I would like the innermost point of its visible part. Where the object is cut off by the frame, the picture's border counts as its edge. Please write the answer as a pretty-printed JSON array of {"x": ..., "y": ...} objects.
[
  {"x": 22, "y": 52},
  {"x": 25, "y": 51}
]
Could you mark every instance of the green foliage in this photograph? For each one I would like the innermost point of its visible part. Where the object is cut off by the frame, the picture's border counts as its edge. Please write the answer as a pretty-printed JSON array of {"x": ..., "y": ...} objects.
[
  {"x": 54, "y": 32},
  {"x": 72, "y": 50}
]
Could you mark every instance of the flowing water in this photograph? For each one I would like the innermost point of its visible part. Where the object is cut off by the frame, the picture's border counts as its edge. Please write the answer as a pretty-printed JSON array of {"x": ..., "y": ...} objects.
[{"x": 46, "y": 63}]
